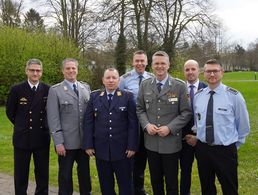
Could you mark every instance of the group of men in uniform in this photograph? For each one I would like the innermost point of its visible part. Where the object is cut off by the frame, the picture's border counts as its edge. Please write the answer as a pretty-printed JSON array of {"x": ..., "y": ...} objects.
[{"x": 135, "y": 118}]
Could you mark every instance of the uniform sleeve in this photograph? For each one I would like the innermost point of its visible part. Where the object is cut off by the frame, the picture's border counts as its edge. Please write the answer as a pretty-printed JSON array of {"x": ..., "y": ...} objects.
[
  {"x": 11, "y": 105},
  {"x": 122, "y": 83},
  {"x": 88, "y": 126},
  {"x": 140, "y": 108},
  {"x": 242, "y": 119},
  {"x": 133, "y": 127},
  {"x": 53, "y": 116},
  {"x": 184, "y": 112}
]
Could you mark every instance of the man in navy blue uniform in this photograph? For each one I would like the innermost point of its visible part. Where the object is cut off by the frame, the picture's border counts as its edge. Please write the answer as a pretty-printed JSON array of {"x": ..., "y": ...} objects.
[
  {"x": 111, "y": 134},
  {"x": 26, "y": 109},
  {"x": 191, "y": 73}
]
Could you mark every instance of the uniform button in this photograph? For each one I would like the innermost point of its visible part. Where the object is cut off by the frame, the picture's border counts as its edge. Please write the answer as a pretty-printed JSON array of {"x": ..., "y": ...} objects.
[
  {"x": 110, "y": 128},
  {"x": 158, "y": 117},
  {"x": 41, "y": 112},
  {"x": 79, "y": 104},
  {"x": 30, "y": 112},
  {"x": 158, "y": 108},
  {"x": 158, "y": 100},
  {"x": 41, "y": 127},
  {"x": 110, "y": 121},
  {"x": 30, "y": 127},
  {"x": 30, "y": 119},
  {"x": 158, "y": 125},
  {"x": 110, "y": 113},
  {"x": 110, "y": 135},
  {"x": 41, "y": 119},
  {"x": 80, "y": 110}
]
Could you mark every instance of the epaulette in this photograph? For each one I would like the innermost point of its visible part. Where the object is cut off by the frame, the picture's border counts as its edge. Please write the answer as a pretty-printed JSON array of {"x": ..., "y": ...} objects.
[
  {"x": 96, "y": 90},
  {"x": 56, "y": 85},
  {"x": 84, "y": 83},
  {"x": 200, "y": 90},
  {"x": 150, "y": 74},
  {"x": 177, "y": 79},
  {"x": 126, "y": 75},
  {"x": 231, "y": 90},
  {"x": 147, "y": 79}
]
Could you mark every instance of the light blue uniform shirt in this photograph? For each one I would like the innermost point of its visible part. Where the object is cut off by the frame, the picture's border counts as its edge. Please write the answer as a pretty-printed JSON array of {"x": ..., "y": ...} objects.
[
  {"x": 130, "y": 81},
  {"x": 230, "y": 115}
]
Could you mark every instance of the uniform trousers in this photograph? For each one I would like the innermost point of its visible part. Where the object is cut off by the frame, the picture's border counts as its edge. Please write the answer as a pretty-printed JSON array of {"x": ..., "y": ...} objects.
[
  {"x": 22, "y": 159},
  {"x": 140, "y": 161},
  {"x": 123, "y": 172},
  {"x": 186, "y": 163},
  {"x": 220, "y": 161},
  {"x": 65, "y": 179},
  {"x": 163, "y": 165}
]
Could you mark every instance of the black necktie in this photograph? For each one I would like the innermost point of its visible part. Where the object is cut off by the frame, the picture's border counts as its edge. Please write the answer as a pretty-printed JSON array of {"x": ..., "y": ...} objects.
[
  {"x": 140, "y": 79},
  {"x": 34, "y": 89},
  {"x": 209, "y": 120},
  {"x": 159, "y": 86},
  {"x": 75, "y": 89},
  {"x": 110, "y": 99},
  {"x": 191, "y": 95}
]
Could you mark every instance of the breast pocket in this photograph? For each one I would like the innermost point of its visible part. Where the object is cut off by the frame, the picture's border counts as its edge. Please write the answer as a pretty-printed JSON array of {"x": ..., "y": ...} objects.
[
  {"x": 66, "y": 106},
  {"x": 224, "y": 115},
  {"x": 147, "y": 101}
]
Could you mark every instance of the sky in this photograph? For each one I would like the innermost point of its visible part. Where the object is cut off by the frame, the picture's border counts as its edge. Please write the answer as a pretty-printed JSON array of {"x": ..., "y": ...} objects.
[{"x": 239, "y": 18}]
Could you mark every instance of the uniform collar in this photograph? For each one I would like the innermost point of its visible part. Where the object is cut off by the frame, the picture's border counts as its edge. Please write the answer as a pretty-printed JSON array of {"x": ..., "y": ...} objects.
[
  {"x": 31, "y": 85},
  {"x": 217, "y": 90},
  {"x": 136, "y": 74},
  {"x": 71, "y": 84},
  {"x": 196, "y": 84}
]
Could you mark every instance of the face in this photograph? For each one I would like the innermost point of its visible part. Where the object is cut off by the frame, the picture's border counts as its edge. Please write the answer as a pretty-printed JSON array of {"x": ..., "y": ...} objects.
[
  {"x": 34, "y": 73},
  {"x": 110, "y": 80},
  {"x": 139, "y": 63},
  {"x": 70, "y": 71},
  {"x": 213, "y": 74},
  {"x": 191, "y": 72},
  {"x": 160, "y": 66}
]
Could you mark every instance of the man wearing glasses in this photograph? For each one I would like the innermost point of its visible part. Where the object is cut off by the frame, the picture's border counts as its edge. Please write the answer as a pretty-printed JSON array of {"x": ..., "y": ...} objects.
[
  {"x": 26, "y": 109},
  {"x": 222, "y": 124}
]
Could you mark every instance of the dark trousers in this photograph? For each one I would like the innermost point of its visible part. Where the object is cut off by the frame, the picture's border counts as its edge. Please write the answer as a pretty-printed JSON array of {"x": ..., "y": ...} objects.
[
  {"x": 220, "y": 161},
  {"x": 163, "y": 165},
  {"x": 186, "y": 163},
  {"x": 22, "y": 159},
  {"x": 122, "y": 169},
  {"x": 140, "y": 161},
  {"x": 65, "y": 179}
]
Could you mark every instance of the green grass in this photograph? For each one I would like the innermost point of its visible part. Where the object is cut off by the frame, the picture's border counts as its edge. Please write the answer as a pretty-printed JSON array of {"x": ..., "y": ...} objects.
[{"x": 248, "y": 153}]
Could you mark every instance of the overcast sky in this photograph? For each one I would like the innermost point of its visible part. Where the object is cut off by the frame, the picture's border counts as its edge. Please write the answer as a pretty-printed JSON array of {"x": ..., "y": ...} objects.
[
  {"x": 240, "y": 19},
  {"x": 238, "y": 16}
]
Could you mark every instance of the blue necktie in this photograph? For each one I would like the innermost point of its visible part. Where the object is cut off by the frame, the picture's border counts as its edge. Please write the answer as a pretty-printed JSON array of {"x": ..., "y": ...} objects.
[
  {"x": 75, "y": 89},
  {"x": 140, "y": 79},
  {"x": 110, "y": 99},
  {"x": 209, "y": 120},
  {"x": 159, "y": 86}
]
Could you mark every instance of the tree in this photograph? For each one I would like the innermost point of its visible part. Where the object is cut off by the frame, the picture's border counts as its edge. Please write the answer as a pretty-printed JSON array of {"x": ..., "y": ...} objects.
[
  {"x": 10, "y": 12},
  {"x": 33, "y": 21}
]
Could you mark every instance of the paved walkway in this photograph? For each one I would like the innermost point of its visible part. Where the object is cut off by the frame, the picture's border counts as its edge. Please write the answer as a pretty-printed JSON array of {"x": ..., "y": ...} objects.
[{"x": 7, "y": 187}]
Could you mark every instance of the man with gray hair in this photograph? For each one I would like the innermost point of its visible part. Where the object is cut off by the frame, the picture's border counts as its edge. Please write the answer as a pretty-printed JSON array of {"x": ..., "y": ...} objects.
[
  {"x": 66, "y": 105},
  {"x": 26, "y": 109}
]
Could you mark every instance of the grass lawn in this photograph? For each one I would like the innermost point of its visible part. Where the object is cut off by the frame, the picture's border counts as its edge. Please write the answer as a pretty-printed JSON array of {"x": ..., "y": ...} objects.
[{"x": 248, "y": 153}]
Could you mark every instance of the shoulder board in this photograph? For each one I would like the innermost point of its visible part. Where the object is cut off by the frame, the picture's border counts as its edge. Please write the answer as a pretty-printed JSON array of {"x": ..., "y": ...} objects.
[
  {"x": 200, "y": 90},
  {"x": 119, "y": 93},
  {"x": 56, "y": 85},
  {"x": 126, "y": 75},
  {"x": 84, "y": 83},
  {"x": 231, "y": 90},
  {"x": 94, "y": 91},
  {"x": 145, "y": 80},
  {"x": 150, "y": 74},
  {"x": 177, "y": 79}
]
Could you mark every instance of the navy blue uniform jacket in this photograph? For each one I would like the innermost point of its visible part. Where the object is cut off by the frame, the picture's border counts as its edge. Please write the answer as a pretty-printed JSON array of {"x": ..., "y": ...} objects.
[
  {"x": 111, "y": 130},
  {"x": 188, "y": 128},
  {"x": 27, "y": 112}
]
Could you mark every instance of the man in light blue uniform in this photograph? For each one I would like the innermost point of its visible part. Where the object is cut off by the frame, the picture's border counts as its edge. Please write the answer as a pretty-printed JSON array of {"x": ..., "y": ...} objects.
[
  {"x": 221, "y": 129},
  {"x": 131, "y": 82}
]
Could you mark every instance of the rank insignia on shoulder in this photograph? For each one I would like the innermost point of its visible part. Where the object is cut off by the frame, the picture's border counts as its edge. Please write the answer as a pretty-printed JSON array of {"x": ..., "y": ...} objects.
[
  {"x": 177, "y": 79},
  {"x": 231, "y": 90},
  {"x": 119, "y": 93},
  {"x": 65, "y": 88},
  {"x": 102, "y": 93},
  {"x": 126, "y": 75}
]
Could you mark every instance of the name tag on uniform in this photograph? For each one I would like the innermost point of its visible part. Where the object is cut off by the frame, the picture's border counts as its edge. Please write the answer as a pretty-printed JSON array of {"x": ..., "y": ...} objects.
[
  {"x": 173, "y": 99},
  {"x": 122, "y": 108}
]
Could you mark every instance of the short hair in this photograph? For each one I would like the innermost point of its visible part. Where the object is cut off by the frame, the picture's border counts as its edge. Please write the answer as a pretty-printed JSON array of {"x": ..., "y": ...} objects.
[
  {"x": 191, "y": 61},
  {"x": 34, "y": 61},
  {"x": 69, "y": 60},
  {"x": 161, "y": 53},
  {"x": 111, "y": 69},
  {"x": 213, "y": 61},
  {"x": 139, "y": 52}
]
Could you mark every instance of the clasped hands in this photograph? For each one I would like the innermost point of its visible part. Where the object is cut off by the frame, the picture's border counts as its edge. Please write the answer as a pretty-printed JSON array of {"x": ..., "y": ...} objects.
[{"x": 162, "y": 131}]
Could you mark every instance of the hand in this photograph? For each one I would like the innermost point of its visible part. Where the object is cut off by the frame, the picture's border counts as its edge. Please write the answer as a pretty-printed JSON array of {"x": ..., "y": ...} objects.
[
  {"x": 60, "y": 150},
  {"x": 129, "y": 153},
  {"x": 163, "y": 131},
  {"x": 90, "y": 152},
  {"x": 152, "y": 129},
  {"x": 190, "y": 139}
]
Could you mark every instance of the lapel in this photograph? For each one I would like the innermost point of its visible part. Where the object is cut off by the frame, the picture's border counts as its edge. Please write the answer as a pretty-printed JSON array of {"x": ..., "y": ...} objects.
[
  {"x": 166, "y": 87},
  {"x": 69, "y": 91},
  {"x": 37, "y": 96},
  {"x": 115, "y": 99},
  {"x": 103, "y": 98},
  {"x": 154, "y": 86}
]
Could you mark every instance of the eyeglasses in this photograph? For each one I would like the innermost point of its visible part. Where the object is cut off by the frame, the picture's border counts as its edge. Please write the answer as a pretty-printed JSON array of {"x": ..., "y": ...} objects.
[
  {"x": 212, "y": 71},
  {"x": 35, "y": 70}
]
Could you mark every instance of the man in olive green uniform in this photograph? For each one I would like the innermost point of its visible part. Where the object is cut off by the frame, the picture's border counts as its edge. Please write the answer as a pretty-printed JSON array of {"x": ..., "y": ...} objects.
[{"x": 163, "y": 110}]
